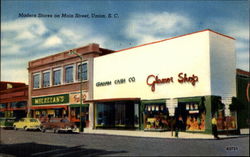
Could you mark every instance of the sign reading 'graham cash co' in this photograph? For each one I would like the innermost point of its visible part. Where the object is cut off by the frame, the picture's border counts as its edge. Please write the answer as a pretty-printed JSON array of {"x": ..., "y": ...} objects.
[{"x": 55, "y": 99}]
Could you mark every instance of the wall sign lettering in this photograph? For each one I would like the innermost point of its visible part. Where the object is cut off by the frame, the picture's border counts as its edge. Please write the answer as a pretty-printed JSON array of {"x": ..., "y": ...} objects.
[
  {"x": 116, "y": 82},
  {"x": 152, "y": 80}
]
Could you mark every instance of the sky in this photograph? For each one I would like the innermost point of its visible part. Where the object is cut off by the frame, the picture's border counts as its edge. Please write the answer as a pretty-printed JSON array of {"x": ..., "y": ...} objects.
[{"x": 132, "y": 23}]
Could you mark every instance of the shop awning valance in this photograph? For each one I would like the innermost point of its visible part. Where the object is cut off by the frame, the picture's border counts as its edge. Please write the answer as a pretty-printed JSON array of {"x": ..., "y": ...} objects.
[
  {"x": 78, "y": 105},
  {"x": 48, "y": 107}
]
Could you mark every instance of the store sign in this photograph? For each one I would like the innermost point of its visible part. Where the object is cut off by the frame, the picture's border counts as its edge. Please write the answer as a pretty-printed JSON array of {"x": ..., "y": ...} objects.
[
  {"x": 152, "y": 80},
  {"x": 75, "y": 98},
  {"x": 116, "y": 82},
  {"x": 55, "y": 99}
]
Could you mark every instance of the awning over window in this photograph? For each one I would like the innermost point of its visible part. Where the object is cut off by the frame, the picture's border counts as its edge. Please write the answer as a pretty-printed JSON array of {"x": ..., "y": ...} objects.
[
  {"x": 49, "y": 107},
  {"x": 78, "y": 105}
]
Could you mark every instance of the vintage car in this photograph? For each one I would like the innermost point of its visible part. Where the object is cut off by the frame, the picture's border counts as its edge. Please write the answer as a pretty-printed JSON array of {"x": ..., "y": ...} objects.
[
  {"x": 7, "y": 123},
  {"x": 58, "y": 125},
  {"x": 27, "y": 124}
]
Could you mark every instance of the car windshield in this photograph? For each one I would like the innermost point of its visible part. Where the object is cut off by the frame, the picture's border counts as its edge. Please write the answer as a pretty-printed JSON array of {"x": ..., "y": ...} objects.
[{"x": 33, "y": 120}]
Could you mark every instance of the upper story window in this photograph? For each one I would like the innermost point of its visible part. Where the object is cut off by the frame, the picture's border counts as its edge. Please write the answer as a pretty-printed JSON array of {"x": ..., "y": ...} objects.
[
  {"x": 83, "y": 71},
  {"x": 57, "y": 77},
  {"x": 46, "y": 79},
  {"x": 36, "y": 80},
  {"x": 69, "y": 74}
]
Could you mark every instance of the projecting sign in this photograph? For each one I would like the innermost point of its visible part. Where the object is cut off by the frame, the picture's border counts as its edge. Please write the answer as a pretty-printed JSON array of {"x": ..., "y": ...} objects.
[{"x": 171, "y": 105}]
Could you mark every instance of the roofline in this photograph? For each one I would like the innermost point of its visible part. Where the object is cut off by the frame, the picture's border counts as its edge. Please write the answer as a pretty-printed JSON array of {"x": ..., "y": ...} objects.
[
  {"x": 12, "y": 82},
  {"x": 56, "y": 53},
  {"x": 242, "y": 72},
  {"x": 174, "y": 38}
]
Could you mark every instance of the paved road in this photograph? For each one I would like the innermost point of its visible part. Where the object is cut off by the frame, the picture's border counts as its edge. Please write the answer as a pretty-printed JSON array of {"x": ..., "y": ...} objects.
[{"x": 30, "y": 143}]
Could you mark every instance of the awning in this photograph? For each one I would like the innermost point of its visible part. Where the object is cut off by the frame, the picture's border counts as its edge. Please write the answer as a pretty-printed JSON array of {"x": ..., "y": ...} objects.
[
  {"x": 48, "y": 107},
  {"x": 78, "y": 105},
  {"x": 113, "y": 99}
]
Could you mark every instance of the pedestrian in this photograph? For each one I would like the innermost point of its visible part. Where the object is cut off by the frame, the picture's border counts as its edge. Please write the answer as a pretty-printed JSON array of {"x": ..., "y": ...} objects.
[{"x": 214, "y": 128}]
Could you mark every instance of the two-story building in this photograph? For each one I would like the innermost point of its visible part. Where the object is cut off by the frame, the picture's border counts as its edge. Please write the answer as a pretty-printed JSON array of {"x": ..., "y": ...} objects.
[
  {"x": 13, "y": 99},
  {"x": 55, "y": 82}
]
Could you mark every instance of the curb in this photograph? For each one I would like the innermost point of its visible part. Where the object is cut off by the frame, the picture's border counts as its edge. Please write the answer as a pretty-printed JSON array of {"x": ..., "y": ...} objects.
[{"x": 187, "y": 136}]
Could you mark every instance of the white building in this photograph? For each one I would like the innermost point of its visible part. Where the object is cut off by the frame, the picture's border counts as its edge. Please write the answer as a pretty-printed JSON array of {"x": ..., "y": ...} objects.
[{"x": 186, "y": 76}]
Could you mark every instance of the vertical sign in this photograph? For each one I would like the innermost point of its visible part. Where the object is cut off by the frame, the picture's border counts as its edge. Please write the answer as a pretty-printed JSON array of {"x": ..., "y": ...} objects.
[
  {"x": 227, "y": 101},
  {"x": 171, "y": 105}
]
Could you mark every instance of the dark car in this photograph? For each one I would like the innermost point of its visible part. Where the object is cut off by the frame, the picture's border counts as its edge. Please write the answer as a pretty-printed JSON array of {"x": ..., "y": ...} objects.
[
  {"x": 7, "y": 123},
  {"x": 58, "y": 125}
]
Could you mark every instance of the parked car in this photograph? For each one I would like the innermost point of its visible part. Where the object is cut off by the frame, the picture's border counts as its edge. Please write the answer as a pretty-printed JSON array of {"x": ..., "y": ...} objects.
[
  {"x": 7, "y": 123},
  {"x": 27, "y": 124},
  {"x": 58, "y": 124}
]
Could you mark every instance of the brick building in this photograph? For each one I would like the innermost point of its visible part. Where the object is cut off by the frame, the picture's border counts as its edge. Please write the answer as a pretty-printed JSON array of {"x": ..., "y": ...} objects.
[
  {"x": 55, "y": 83},
  {"x": 13, "y": 99}
]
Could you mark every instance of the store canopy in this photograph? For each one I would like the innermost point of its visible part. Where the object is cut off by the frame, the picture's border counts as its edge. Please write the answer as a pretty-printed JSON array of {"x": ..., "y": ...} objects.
[
  {"x": 49, "y": 107},
  {"x": 78, "y": 105}
]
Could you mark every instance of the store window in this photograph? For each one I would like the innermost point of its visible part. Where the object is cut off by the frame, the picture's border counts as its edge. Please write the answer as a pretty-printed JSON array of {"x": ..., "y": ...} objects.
[
  {"x": 195, "y": 120},
  {"x": 156, "y": 117},
  {"x": 57, "y": 77},
  {"x": 69, "y": 74},
  {"x": 116, "y": 114},
  {"x": 82, "y": 71},
  {"x": 228, "y": 122},
  {"x": 18, "y": 104},
  {"x": 46, "y": 79},
  {"x": 225, "y": 112},
  {"x": 36, "y": 81},
  {"x": 3, "y": 106}
]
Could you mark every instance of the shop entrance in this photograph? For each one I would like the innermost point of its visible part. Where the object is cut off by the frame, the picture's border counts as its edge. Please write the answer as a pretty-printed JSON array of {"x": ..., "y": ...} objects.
[{"x": 115, "y": 115}]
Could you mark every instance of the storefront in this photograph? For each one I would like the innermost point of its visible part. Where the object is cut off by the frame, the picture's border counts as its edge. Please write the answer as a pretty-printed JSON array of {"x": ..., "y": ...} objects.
[
  {"x": 122, "y": 114},
  {"x": 176, "y": 82},
  {"x": 13, "y": 99},
  {"x": 50, "y": 106}
]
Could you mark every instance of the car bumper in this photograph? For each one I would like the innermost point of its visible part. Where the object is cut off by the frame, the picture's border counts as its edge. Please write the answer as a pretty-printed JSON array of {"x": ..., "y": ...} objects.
[{"x": 34, "y": 127}]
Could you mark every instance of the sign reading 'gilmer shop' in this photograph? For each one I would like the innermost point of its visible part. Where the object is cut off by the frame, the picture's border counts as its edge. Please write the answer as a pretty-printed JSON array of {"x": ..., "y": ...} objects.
[
  {"x": 192, "y": 65},
  {"x": 55, "y": 99}
]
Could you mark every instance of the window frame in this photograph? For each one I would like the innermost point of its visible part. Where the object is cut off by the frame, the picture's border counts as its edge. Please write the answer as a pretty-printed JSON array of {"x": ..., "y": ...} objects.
[
  {"x": 73, "y": 73},
  {"x": 77, "y": 71},
  {"x": 61, "y": 76},
  {"x": 39, "y": 80},
  {"x": 46, "y": 71}
]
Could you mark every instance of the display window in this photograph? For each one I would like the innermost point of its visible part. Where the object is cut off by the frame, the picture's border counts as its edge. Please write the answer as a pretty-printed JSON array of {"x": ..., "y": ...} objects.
[
  {"x": 226, "y": 122},
  {"x": 156, "y": 117},
  {"x": 117, "y": 114},
  {"x": 192, "y": 116},
  {"x": 75, "y": 115}
]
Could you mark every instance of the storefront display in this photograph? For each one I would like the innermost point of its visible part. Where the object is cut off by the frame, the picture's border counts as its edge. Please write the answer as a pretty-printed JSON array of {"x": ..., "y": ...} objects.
[
  {"x": 156, "y": 116},
  {"x": 226, "y": 122},
  {"x": 193, "y": 115}
]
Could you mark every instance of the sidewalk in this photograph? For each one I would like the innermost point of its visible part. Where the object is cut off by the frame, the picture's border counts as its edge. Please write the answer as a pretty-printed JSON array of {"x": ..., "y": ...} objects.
[{"x": 141, "y": 133}]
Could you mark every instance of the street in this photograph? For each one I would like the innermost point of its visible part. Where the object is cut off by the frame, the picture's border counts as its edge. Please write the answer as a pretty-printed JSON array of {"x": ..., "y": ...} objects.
[{"x": 35, "y": 143}]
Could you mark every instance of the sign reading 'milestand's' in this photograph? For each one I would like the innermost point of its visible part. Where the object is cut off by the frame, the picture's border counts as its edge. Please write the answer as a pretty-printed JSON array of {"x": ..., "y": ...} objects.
[{"x": 55, "y": 99}]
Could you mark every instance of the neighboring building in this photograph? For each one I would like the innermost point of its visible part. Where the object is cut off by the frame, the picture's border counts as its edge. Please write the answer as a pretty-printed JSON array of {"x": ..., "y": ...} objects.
[
  {"x": 189, "y": 77},
  {"x": 243, "y": 97},
  {"x": 13, "y": 99},
  {"x": 55, "y": 83}
]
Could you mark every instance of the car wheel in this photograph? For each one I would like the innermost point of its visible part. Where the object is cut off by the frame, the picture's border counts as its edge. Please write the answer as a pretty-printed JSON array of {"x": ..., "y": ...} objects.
[{"x": 43, "y": 130}]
